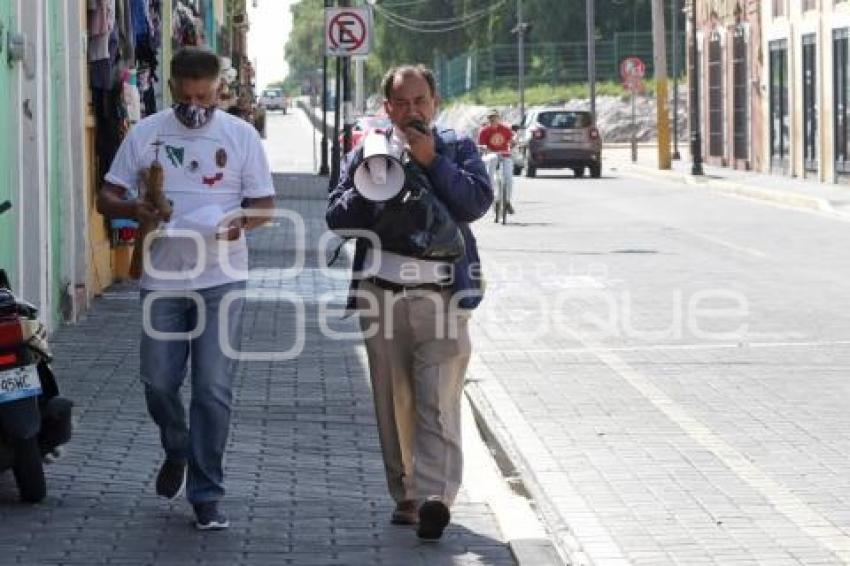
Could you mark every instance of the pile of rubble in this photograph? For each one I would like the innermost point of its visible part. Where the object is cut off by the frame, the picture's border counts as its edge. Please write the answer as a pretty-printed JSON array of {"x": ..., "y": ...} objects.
[{"x": 614, "y": 116}]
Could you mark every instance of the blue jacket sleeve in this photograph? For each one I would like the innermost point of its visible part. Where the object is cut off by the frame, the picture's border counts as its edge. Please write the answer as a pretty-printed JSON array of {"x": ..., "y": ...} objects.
[
  {"x": 347, "y": 209},
  {"x": 463, "y": 185}
]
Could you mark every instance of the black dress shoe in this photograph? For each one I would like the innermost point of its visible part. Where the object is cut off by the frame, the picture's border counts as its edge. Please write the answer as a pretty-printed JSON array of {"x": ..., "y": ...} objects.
[{"x": 434, "y": 516}]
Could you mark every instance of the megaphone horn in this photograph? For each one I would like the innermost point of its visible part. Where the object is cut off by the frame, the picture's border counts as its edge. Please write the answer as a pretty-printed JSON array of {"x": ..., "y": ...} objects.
[{"x": 380, "y": 176}]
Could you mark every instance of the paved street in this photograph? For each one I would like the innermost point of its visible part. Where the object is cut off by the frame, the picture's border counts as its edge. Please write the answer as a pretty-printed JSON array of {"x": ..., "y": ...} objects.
[
  {"x": 666, "y": 367},
  {"x": 305, "y": 477},
  {"x": 670, "y": 368}
]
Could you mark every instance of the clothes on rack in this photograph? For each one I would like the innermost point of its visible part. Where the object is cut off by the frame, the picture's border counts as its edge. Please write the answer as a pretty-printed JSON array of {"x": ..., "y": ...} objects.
[
  {"x": 124, "y": 39},
  {"x": 186, "y": 28}
]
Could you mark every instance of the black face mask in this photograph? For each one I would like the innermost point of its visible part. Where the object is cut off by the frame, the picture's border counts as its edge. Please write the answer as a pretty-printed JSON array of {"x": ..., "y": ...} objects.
[{"x": 193, "y": 115}]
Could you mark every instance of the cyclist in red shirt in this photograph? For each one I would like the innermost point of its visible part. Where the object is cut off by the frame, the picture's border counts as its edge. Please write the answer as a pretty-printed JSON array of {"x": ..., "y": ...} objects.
[{"x": 497, "y": 138}]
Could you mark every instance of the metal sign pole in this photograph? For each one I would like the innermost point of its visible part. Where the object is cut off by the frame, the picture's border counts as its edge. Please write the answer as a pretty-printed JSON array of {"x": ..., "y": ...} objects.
[
  {"x": 347, "y": 113},
  {"x": 591, "y": 56},
  {"x": 675, "y": 17},
  {"x": 315, "y": 161},
  {"x": 323, "y": 167},
  {"x": 634, "y": 127},
  {"x": 696, "y": 134},
  {"x": 335, "y": 154}
]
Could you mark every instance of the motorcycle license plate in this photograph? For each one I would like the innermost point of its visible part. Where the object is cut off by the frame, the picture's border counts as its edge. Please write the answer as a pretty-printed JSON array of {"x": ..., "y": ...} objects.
[{"x": 19, "y": 383}]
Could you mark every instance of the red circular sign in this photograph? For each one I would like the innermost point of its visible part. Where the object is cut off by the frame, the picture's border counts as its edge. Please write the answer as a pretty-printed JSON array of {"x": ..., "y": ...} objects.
[
  {"x": 346, "y": 31},
  {"x": 631, "y": 69}
]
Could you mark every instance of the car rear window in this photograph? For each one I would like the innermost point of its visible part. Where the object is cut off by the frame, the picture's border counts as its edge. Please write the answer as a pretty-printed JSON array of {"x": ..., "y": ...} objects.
[
  {"x": 371, "y": 123},
  {"x": 564, "y": 120},
  {"x": 271, "y": 93},
  {"x": 379, "y": 123}
]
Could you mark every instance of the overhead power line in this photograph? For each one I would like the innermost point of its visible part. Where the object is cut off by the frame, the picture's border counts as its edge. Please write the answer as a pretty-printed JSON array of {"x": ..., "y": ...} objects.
[
  {"x": 405, "y": 3},
  {"x": 425, "y": 26},
  {"x": 451, "y": 21}
]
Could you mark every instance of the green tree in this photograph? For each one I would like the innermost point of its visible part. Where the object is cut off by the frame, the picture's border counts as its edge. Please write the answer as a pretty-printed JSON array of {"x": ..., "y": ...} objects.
[
  {"x": 304, "y": 48},
  {"x": 398, "y": 38}
]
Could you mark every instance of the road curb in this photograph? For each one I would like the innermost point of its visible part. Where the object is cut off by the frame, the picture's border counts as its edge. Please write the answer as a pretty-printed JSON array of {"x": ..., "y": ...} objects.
[
  {"x": 793, "y": 200},
  {"x": 522, "y": 529},
  {"x": 527, "y": 552},
  {"x": 565, "y": 547},
  {"x": 315, "y": 120}
]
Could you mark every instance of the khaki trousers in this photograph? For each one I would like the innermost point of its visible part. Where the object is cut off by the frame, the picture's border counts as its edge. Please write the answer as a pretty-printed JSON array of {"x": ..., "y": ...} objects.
[{"x": 418, "y": 349}]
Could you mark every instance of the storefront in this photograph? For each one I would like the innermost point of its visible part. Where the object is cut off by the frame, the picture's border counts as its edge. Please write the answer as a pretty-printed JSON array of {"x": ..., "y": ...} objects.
[{"x": 728, "y": 46}]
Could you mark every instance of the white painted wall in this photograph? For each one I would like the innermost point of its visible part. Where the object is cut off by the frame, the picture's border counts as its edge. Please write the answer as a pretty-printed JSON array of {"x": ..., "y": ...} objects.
[
  {"x": 77, "y": 109},
  {"x": 34, "y": 223}
]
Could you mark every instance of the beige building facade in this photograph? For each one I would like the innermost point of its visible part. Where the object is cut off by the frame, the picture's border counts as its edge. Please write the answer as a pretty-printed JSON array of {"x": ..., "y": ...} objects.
[
  {"x": 730, "y": 68},
  {"x": 807, "y": 80}
]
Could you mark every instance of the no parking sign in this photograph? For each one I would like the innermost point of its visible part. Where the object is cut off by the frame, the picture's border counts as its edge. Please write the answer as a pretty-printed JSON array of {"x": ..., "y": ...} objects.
[
  {"x": 347, "y": 31},
  {"x": 632, "y": 71}
]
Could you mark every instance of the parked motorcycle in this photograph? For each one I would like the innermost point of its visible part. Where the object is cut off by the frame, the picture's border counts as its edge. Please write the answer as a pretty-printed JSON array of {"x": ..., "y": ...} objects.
[{"x": 34, "y": 420}]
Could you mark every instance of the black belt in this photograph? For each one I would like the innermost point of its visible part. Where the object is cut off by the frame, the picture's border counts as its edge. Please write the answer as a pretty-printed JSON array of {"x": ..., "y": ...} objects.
[{"x": 401, "y": 288}]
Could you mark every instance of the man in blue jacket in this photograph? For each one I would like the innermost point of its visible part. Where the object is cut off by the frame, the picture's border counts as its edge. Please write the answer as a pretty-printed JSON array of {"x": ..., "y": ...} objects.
[{"x": 413, "y": 312}]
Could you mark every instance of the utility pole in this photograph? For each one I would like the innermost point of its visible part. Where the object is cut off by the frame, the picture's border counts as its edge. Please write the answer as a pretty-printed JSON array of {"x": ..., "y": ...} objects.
[
  {"x": 676, "y": 12},
  {"x": 520, "y": 31},
  {"x": 591, "y": 55},
  {"x": 696, "y": 135},
  {"x": 660, "y": 60},
  {"x": 323, "y": 166}
]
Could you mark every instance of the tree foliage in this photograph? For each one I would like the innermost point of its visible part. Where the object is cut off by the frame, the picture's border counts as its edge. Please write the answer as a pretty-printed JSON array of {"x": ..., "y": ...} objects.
[
  {"x": 304, "y": 47},
  {"x": 551, "y": 21}
]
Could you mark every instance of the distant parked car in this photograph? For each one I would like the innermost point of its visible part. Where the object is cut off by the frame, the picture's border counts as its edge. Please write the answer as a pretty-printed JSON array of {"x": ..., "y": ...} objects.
[
  {"x": 555, "y": 138},
  {"x": 274, "y": 99},
  {"x": 364, "y": 125}
]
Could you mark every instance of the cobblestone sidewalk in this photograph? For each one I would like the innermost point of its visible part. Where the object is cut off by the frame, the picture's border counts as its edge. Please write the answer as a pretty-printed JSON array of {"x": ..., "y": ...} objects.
[{"x": 304, "y": 473}]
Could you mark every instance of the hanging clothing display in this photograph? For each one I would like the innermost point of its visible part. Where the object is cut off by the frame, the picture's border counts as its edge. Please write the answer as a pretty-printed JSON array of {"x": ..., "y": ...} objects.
[
  {"x": 124, "y": 40},
  {"x": 186, "y": 29}
]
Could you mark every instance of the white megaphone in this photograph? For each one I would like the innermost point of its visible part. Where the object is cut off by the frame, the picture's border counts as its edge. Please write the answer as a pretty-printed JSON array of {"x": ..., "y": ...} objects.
[{"x": 380, "y": 176}]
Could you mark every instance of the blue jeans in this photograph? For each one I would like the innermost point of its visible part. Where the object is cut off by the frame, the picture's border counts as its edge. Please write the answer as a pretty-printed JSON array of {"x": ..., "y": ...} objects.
[{"x": 164, "y": 363}]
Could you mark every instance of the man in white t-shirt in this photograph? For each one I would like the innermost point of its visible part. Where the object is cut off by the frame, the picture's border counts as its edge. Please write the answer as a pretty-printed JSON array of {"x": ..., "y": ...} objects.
[{"x": 215, "y": 170}]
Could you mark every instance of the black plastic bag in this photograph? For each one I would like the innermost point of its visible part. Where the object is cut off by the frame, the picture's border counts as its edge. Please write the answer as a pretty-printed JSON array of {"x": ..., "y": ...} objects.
[{"x": 417, "y": 224}]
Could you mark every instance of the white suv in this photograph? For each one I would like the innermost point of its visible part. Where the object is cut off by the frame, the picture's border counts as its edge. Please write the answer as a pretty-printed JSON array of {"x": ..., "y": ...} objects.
[{"x": 273, "y": 99}]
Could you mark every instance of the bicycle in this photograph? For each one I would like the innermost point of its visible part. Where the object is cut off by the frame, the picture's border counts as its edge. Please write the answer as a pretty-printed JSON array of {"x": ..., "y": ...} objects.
[{"x": 500, "y": 186}]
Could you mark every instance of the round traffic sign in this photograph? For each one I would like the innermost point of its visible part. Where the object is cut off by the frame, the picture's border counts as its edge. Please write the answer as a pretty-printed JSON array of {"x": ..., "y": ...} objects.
[
  {"x": 632, "y": 68},
  {"x": 346, "y": 32}
]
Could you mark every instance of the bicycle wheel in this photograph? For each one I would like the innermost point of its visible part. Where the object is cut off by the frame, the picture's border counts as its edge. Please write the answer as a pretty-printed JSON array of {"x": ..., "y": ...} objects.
[{"x": 503, "y": 195}]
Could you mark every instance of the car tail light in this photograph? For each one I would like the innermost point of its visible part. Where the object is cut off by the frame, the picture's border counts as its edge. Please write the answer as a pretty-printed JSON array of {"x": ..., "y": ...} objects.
[
  {"x": 8, "y": 360},
  {"x": 538, "y": 133},
  {"x": 10, "y": 334},
  {"x": 594, "y": 134}
]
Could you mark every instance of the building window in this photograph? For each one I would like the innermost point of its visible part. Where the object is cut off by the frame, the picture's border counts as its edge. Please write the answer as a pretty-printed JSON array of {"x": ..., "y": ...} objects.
[
  {"x": 778, "y": 8},
  {"x": 779, "y": 131},
  {"x": 715, "y": 96},
  {"x": 809, "y": 5},
  {"x": 810, "y": 103},
  {"x": 739, "y": 92},
  {"x": 840, "y": 44}
]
